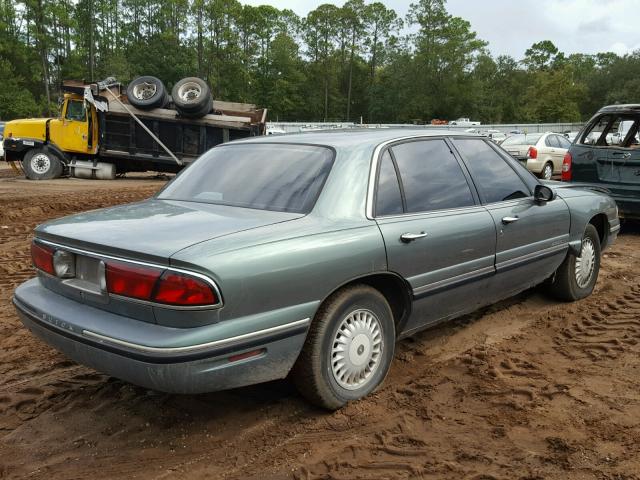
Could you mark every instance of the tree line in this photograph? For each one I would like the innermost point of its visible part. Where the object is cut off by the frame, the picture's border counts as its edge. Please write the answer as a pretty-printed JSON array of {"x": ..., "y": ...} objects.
[{"x": 336, "y": 64}]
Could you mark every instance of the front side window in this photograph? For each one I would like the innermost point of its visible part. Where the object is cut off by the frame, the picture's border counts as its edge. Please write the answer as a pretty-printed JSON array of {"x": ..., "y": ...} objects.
[
  {"x": 494, "y": 177},
  {"x": 76, "y": 110},
  {"x": 431, "y": 177},
  {"x": 279, "y": 177},
  {"x": 563, "y": 141},
  {"x": 522, "y": 139},
  {"x": 388, "y": 195}
]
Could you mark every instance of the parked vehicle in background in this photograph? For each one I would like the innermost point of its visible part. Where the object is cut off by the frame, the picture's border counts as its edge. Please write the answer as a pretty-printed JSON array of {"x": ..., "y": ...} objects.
[
  {"x": 271, "y": 130},
  {"x": 259, "y": 260},
  {"x": 541, "y": 153},
  {"x": 607, "y": 153},
  {"x": 101, "y": 131},
  {"x": 464, "y": 122},
  {"x": 496, "y": 136},
  {"x": 571, "y": 136}
]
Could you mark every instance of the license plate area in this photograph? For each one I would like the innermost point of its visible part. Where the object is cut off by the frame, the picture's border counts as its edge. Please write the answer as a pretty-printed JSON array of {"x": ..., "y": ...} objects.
[{"x": 90, "y": 276}]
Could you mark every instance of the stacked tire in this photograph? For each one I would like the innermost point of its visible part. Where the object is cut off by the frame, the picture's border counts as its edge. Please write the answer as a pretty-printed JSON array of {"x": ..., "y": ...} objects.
[
  {"x": 147, "y": 92},
  {"x": 191, "y": 96}
]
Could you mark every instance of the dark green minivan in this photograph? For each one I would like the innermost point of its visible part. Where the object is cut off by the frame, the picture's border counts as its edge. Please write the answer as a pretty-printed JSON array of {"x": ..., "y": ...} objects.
[{"x": 607, "y": 152}]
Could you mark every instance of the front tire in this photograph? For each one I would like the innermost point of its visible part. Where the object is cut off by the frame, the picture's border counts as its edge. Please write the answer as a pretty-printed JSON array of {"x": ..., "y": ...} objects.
[
  {"x": 348, "y": 350},
  {"x": 41, "y": 164},
  {"x": 577, "y": 276}
]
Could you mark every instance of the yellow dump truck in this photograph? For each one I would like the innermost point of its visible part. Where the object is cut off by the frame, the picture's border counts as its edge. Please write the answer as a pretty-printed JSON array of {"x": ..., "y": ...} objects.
[{"x": 103, "y": 131}]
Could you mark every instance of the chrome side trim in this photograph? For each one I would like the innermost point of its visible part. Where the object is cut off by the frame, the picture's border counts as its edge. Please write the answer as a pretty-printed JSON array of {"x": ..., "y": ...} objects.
[
  {"x": 462, "y": 278},
  {"x": 206, "y": 279},
  {"x": 190, "y": 348},
  {"x": 614, "y": 229},
  {"x": 532, "y": 256}
]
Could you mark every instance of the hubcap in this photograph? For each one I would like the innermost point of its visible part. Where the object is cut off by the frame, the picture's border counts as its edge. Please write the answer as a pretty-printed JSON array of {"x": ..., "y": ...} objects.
[
  {"x": 357, "y": 349},
  {"x": 144, "y": 91},
  {"x": 40, "y": 163},
  {"x": 585, "y": 263},
  {"x": 189, "y": 91},
  {"x": 548, "y": 172}
]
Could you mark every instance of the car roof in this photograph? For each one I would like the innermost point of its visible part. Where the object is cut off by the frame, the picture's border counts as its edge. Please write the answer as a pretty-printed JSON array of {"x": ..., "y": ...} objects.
[
  {"x": 355, "y": 137},
  {"x": 628, "y": 107}
]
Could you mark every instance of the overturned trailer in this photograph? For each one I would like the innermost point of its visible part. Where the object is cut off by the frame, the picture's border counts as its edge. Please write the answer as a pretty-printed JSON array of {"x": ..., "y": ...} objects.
[{"x": 100, "y": 134}]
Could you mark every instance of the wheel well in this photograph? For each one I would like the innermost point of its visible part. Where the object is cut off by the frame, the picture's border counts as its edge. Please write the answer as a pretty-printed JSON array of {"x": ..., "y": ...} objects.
[
  {"x": 601, "y": 223},
  {"x": 393, "y": 288}
]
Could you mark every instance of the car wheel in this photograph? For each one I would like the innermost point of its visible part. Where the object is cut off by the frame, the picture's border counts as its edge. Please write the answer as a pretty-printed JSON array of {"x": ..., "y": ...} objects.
[
  {"x": 206, "y": 109},
  {"x": 41, "y": 164},
  {"x": 577, "y": 276},
  {"x": 191, "y": 96},
  {"x": 547, "y": 171},
  {"x": 348, "y": 350},
  {"x": 147, "y": 93}
]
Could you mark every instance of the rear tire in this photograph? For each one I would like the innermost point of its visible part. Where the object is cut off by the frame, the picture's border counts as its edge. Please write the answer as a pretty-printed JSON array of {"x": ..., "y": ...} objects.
[
  {"x": 547, "y": 171},
  {"x": 41, "y": 164},
  {"x": 577, "y": 276},
  {"x": 348, "y": 350}
]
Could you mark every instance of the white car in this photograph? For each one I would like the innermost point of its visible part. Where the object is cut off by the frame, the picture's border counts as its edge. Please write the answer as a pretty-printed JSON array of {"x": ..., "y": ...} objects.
[{"x": 541, "y": 153}]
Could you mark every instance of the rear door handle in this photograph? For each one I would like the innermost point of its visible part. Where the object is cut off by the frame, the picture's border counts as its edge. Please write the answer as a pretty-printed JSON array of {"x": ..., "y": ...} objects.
[
  {"x": 410, "y": 237},
  {"x": 506, "y": 220},
  {"x": 623, "y": 154}
]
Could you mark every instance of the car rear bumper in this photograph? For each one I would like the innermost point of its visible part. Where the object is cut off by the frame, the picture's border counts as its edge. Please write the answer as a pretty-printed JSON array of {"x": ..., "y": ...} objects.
[
  {"x": 167, "y": 361},
  {"x": 629, "y": 207}
]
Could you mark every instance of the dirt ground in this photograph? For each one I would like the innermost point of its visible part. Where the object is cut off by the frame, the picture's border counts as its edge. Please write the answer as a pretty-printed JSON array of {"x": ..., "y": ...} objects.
[{"x": 527, "y": 389}]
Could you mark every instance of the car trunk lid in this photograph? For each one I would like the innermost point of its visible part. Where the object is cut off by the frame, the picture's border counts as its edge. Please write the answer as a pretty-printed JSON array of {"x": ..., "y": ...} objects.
[{"x": 154, "y": 230}]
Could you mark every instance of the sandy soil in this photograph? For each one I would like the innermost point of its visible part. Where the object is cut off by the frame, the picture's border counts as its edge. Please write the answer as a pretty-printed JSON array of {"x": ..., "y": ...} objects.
[{"x": 527, "y": 389}]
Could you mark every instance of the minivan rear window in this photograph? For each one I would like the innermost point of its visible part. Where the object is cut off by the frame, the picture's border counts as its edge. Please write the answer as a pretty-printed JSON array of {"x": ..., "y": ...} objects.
[{"x": 279, "y": 177}]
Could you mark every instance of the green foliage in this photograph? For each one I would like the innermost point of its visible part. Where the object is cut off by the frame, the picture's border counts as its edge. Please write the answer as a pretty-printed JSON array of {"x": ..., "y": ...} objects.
[{"x": 336, "y": 64}]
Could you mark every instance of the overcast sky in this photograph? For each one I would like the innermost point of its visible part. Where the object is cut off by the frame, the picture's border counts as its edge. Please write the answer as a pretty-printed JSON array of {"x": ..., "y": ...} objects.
[{"x": 511, "y": 26}]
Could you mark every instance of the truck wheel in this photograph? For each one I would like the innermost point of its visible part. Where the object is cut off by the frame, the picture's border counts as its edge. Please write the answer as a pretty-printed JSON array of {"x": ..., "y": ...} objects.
[
  {"x": 41, "y": 164},
  {"x": 147, "y": 93},
  {"x": 201, "y": 113},
  {"x": 191, "y": 95},
  {"x": 577, "y": 276},
  {"x": 348, "y": 350}
]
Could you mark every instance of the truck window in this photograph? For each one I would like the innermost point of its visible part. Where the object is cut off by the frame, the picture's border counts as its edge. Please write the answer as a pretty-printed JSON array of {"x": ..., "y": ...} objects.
[{"x": 76, "y": 111}]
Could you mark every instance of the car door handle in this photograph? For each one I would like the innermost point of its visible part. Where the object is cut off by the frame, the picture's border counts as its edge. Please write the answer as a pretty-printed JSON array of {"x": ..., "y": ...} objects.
[
  {"x": 507, "y": 220},
  {"x": 410, "y": 237}
]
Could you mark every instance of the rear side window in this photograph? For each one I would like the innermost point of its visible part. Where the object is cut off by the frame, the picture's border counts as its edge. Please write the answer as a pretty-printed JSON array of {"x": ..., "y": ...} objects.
[
  {"x": 552, "y": 141},
  {"x": 388, "y": 196},
  {"x": 431, "y": 177},
  {"x": 495, "y": 179},
  {"x": 280, "y": 177}
]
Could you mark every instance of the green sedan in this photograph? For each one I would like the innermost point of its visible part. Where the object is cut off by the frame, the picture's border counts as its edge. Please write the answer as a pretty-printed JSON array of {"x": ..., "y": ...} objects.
[{"x": 307, "y": 255}]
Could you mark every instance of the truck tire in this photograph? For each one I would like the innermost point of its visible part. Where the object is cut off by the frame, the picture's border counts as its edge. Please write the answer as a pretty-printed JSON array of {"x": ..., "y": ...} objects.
[
  {"x": 191, "y": 96},
  {"x": 201, "y": 113},
  {"x": 41, "y": 164},
  {"x": 147, "y": 93}
]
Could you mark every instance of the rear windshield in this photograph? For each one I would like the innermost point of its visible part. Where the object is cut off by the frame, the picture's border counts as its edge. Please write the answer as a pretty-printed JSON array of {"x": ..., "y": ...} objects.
[
  {"x": 527, "y": 139},
  {"x": 280, "y": 177}
]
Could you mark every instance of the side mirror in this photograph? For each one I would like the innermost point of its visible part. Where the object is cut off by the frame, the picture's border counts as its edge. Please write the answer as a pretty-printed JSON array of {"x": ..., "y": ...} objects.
[{"x": 543, "y": 194}]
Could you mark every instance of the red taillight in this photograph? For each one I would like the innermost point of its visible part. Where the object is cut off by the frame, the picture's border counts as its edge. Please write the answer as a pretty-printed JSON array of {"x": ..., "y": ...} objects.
[
  {"x": 130, "y": 280},
  {"x": 566, "y": 167},
  {"x": 156, "y": 284},
  {"x": 532, "y": 152},
  {"x": 179, "y": 289},
  {"x": 42, "y": 257}
]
